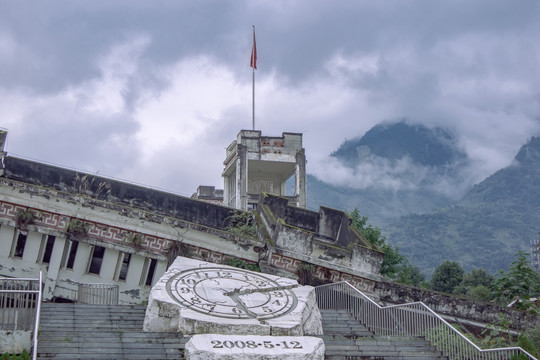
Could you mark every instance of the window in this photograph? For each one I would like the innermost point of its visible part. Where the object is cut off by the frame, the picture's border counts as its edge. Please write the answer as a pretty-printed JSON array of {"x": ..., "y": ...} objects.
[
  {"x": 45, "y": 251},
  {"x": 149, "y": 269},
  {"x": 18, "y": 249},
  {"x": 94, "y": 265},
  {"x": 68, "y": 258},
  {"x": 122, "y": 266}
]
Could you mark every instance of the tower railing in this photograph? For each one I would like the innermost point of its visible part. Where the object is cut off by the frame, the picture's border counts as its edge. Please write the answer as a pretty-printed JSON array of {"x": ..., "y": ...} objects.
[{"x": 410, "y": 320}]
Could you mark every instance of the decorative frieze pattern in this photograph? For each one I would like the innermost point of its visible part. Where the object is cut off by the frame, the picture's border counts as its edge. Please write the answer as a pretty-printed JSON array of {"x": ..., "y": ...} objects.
[
  {"x": 291, "y": 265},
  {"x": 97, "y": 231},
  {"x": 154, "y": 244}
]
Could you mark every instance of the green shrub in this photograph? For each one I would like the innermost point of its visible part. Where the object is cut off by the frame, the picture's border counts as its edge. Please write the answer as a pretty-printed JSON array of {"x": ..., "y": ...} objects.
[
  {"x": 76, "y": 227},
  {"x": 532, "y": 337},
  {"x": 24, "y": 218},
  {"x": 241, "y": 223},
  {"x": 306, "y": 274},
  {"x": 22, "y": 356},
  {"x": 242, "y": 264}
]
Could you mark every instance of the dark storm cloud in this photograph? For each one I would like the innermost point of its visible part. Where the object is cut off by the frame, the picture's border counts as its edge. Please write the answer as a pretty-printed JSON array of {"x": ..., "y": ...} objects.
[{"x": 163, "y": 82}]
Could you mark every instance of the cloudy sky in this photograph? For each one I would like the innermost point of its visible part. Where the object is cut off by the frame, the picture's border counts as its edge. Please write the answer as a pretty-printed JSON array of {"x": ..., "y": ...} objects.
[{"x": 154, "y": 91}]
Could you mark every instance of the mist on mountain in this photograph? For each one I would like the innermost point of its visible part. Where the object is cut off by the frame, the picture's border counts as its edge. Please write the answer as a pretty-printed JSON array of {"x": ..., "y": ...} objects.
[
  {"x": 395, "y": 169},
  {"x": 427, "y": 196},
  {"x": 485, "y": 229}
]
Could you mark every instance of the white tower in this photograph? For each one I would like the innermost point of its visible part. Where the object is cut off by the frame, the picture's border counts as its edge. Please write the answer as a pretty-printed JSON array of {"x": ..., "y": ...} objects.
[{"x": 255, "y": 164}]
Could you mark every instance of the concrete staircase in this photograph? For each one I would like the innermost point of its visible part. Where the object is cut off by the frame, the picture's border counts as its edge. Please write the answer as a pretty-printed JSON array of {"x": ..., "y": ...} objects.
[
  {"x": 91, "y": 332},
  {"x": 346, "y": 339},
  {"x": 77, "y": 331}
]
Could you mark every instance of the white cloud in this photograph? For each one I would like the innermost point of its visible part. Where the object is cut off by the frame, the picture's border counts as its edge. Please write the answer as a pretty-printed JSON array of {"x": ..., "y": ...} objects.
[
  {"x": 160, "y": 106},
  {"x": 198, "y": 93},
  {"x": 8, "y": 48},
  {"x": 105, "y": 95}
]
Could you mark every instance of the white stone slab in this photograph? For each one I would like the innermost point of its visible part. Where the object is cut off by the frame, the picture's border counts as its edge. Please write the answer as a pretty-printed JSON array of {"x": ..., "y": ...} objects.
[
  {"x": 229, "y": 347},
  {"x": 196, "y": 297}
]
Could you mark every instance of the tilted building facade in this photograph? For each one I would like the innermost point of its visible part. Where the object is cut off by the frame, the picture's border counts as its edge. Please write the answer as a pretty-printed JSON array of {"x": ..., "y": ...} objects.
[{"x": 84, "y": 229}]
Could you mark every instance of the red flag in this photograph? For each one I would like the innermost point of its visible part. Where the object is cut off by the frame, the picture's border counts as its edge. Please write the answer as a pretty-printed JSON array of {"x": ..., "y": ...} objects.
[{"x": 253, "y": 62}]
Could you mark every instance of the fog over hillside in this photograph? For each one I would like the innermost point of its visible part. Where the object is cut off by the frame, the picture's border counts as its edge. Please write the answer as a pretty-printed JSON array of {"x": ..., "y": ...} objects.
[
  {"x": 418, "y": 186},
  {"x": 394, "y": 169}
]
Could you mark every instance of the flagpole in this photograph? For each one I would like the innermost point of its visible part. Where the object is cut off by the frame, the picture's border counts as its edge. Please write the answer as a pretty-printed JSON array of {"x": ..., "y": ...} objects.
[
  {"x": 253, "y": 98},
  {"x": 253, "y": 64}
]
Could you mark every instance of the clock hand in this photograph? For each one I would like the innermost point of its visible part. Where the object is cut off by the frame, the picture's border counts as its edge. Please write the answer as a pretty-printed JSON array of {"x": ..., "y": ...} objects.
[
  {"x": 235, "y": 296},
  {"x": 263, "y": 290}
]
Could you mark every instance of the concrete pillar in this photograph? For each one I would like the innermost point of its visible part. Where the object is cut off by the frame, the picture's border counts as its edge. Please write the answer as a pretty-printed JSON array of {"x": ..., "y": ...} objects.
[
  {"x": 241, "y": 177},
  {"x": 81, "y": 259},
  {"x": 108, "y": 265},
  {"x": 136, "y": 265},
  {"x": 300, "y": 179},
  {"x": 54, "y": 268},
  {"x": 226, "y": 194},
  {"x": 6, "y": 239},
  {"x": 161, "y": 267},
  {"x": 32, "y": 246}
]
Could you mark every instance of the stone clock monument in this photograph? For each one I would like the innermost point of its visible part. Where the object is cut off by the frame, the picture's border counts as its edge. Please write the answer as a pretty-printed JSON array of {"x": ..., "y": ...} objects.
[
  {"x": 196, "y": 297},
  {"x": 232, "y": 293},
  {"x": 240, "y": 311}
]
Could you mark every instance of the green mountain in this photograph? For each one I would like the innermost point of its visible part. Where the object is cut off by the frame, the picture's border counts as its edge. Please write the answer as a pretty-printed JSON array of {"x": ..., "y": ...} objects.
[
  {"x": 393, "y": 170},
  {"x": 431, "y": 147},
  {"x": 494, "y": 220}
]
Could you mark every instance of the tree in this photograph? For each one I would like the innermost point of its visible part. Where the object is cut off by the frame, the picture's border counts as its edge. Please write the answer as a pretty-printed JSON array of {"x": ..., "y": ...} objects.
[
  {"x": 478, "y": 277},
  {"x": 392, "y": 258},
  {"x": 476, "y": 285},
  {"x": 520, "y": 282},
  {"x": 480, "y": 292},
  {"x": 447, "y": 276},
  {"x": 409, "y": 274},
  {"x": 372, "y": 234}
]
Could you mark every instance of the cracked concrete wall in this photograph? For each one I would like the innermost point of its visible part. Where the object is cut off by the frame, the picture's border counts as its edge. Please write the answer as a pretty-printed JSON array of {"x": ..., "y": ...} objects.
[
  {"x": 109, "y": 219},
  {"x": 15, "y": 341},
  {"x": 322, "y": 238},
  {"x": 116, "y": 193},
  {"x": 451, "y": 306}
]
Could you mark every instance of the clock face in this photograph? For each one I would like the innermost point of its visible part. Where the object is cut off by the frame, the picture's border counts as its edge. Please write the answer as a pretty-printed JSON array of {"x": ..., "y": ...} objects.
[{"x": 231, "y": 293}]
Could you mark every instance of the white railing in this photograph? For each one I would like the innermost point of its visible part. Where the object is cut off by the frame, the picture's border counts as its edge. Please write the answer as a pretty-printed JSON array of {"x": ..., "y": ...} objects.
[
  {"x": 412, "y": 320},
  {"x": 20, "y": 306},
  {"x": 98, "y": 294}
]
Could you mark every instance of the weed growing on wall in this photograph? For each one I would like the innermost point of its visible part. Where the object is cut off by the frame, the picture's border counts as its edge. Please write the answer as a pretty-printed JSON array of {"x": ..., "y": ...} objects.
[
  {"x": 242, "y": 264},
  {"x": 241, "y": 223},
  {"x": 76, "y": 227},
  {"x": 24, "y": 218},
  {"x": 176, "y": 249},
  {"x": 135, "y": 239},
  {"x": 306, "y": 274}
]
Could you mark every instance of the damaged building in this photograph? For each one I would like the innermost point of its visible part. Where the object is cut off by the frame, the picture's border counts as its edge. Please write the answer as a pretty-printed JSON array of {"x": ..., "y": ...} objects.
[{"x": 81, "y": 230}]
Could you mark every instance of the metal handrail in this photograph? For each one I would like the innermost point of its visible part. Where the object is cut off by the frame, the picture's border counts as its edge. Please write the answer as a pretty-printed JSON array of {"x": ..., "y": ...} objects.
[
  {"x": 97, "y": 294},
  {"x": 412, "y": 319},
  {"x": 14, "y": 286},
  {"x": 38, "y": 314}
]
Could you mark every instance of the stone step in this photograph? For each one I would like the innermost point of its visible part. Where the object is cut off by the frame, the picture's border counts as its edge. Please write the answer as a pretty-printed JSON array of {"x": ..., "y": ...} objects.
[
  {"x": 376, "y": 357},
  {"x": 376, "y": 349},
  {"x": 88, "y": 332},
  {"x": 346, "y": 338},
  {"x": 91, "y": 332},
  {"x": 374, "y": 344}
]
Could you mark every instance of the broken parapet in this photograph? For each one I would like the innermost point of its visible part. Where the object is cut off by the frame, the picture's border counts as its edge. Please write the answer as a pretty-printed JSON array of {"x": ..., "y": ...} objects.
[{"x": 325, "y": 238}]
